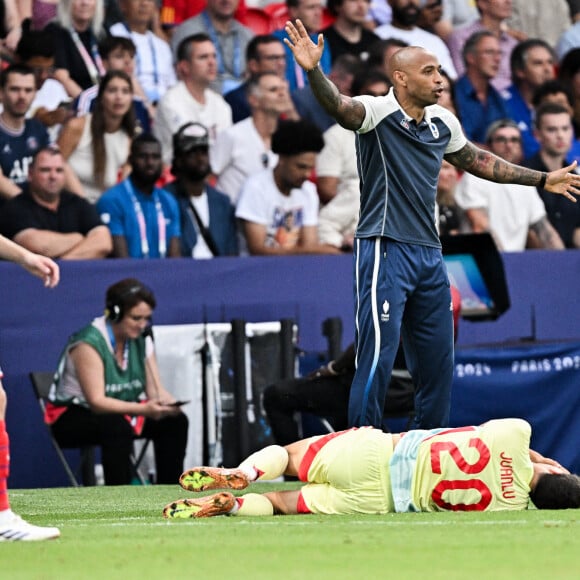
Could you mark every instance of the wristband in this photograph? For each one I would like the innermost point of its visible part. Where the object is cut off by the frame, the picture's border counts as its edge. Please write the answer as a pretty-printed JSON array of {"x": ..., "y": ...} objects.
[{"x": 542, "y": 183}]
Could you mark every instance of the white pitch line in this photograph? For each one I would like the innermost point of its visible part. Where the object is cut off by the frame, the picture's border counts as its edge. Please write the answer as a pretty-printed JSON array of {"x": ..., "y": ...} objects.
[{"x": 136, "y": 521}]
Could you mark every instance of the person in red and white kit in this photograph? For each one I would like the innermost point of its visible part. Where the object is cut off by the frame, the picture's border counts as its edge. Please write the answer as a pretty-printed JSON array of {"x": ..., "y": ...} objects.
[{"x": 13, "y": 527}]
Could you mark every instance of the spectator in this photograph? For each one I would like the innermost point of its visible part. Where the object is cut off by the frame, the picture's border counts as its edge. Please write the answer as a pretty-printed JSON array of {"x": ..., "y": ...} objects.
[
  {"x": 108, "y": 391},
  {"x": 348, "y": 33},
  {"x": 570, "y": 39},
  {"x": 310, "y": 14},
  {"x": 118, "y": 53},
  {"x": 154, "y": 60},
  {"x": 569, "y": 75},
  {"x": 278, "y": 208},
  {"x": 143, "y": 219},
  {"x": 337, "y": 175},
  {"x": 325, "y": 393},
  {"x": 532, "y": 64},
  {"x": 451, "y": 218},
  {"x": 10, "y": 28},
  {"x": 380, "y": 53},
  {"x": 96, "y": 145},
  {"x": 379, "y": 13},
  {"x": 447, "y": 98},
  {"x": 430, "y": 14},
  {"x": 246, "y": 147},
  {"x": 229, "y": 37},
  {"x": 540, "y": 19},
  {"x": 208, "y": 223},
  {"x": 555, "y": 135},
  {"x": 508, "y": 211},
  {"x": 40, "y": 12},
  {"x": 264, "y": 54},
  {"x": 36, "y": 50},
  {"x": 47, "y": 219},
  {"x": 20, "y": 138},
  {"x": 493, "y": 13},
  {"x": 478, "y": 103},
  {"x": 558, "y": 93},
  {"x": 77, "y": 31},
  {"x": 554, "y": 91},
  {"x": 309, "y": 109},
  {"x": 456, "y": 13},
  {"x": 192, "y": 99},
  {"x": 404, "y": 27}
]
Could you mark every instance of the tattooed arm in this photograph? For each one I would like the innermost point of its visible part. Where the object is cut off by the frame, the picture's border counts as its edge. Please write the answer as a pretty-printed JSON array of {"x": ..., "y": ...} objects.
[
  {"x": 349, "y": 113},
  {"x": 485, "y": 164}
]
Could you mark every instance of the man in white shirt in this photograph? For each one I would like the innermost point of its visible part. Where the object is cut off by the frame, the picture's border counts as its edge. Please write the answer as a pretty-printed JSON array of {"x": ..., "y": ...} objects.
[
  {"x": 229, "y": 37},
  {"x": 191, "y": 99},
  {"x": 153, "y": 59},
  {"x": 404, "y": 27},
  {"x": 278, "y": 208},
  {"x": 510, "y": 212},
  {"x": 246, "y": 147}
]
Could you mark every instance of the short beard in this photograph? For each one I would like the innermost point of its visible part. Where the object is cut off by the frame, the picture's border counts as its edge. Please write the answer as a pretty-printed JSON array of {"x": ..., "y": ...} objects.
[
  {"x": 406, "y": 16},
  {"x": 196, "y": 174}
]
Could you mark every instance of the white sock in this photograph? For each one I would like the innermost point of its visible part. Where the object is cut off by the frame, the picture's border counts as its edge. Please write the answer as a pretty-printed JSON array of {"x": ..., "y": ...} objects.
[{"x": 268, "y": 463}]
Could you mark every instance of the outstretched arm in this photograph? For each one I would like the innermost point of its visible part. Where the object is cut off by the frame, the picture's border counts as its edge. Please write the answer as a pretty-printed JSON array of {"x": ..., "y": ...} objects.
[
  {"x": 40, "y": 266},
  {"x": 349, "y": 113},
  {"x": 489, "y": 166}
]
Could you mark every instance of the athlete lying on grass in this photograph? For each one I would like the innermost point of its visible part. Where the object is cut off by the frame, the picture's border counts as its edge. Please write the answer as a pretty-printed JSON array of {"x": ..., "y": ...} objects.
[{"x": 365, "y": 471}]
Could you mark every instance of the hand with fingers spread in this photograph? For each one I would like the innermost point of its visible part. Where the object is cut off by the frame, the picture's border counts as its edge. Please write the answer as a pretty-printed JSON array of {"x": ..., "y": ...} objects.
[
  {"x": 306, "y": 53},
  {"x": 563, "y": 181}
]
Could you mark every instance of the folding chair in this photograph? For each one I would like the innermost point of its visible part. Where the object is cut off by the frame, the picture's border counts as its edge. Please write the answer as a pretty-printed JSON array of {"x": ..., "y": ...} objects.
[{"x": 41, "y": 383}]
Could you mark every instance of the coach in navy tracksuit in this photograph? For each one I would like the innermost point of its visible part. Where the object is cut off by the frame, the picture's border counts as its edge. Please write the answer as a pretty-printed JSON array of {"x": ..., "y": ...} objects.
[{"x": 401, "y": 281}]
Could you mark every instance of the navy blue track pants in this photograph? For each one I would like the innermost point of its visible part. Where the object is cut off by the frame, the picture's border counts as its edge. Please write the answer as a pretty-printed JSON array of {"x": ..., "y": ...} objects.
[{"x": 401, "y": 290}]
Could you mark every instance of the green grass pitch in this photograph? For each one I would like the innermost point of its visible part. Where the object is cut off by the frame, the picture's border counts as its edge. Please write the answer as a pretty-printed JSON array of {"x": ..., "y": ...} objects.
[{"x": 118, "y": 532}]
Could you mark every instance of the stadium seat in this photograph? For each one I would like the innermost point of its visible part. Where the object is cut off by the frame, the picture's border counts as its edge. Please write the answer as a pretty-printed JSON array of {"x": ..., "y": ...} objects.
[
  {"x": 41, "y": 383},
  {"x": 258, "y": 20}
]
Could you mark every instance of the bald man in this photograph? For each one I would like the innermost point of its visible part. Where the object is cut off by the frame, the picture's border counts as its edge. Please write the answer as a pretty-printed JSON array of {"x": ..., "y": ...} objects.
[{"x": 401, "y": 281}]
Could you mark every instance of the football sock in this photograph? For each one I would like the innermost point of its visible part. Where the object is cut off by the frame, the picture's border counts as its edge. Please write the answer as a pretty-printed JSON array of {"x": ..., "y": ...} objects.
[
  {"x": 253, "y": 504},
  {"x": 268, "y": 463},
  {"x": 4, "y": 467}
]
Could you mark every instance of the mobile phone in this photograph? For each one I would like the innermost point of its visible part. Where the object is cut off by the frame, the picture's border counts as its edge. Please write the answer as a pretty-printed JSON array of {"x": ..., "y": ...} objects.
[{"x": 178, "y": 403}]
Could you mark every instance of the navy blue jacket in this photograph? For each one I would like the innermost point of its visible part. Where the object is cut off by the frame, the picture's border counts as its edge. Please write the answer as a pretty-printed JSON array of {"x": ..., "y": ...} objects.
[{"x": 222, "y": 221}]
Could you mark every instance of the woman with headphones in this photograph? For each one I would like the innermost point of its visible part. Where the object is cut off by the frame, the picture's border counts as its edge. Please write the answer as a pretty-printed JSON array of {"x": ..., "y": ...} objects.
[{"x": 107, "y": 389}]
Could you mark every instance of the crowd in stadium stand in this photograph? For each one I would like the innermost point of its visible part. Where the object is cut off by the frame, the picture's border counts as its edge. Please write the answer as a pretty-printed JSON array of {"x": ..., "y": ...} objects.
[{"x": 217, "y": 91}]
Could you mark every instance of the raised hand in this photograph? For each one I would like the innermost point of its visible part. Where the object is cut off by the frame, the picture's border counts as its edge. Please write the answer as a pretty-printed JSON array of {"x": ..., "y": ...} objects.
[
  {"x": 306, "y": 53},
  {"x": 563, "y": 181}
]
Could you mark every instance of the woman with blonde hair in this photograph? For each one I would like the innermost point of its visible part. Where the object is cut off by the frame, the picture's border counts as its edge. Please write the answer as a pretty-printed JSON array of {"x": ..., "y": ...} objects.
[
  {"x": 96, "y": 146},
  {"x": 78, "y": 28}
]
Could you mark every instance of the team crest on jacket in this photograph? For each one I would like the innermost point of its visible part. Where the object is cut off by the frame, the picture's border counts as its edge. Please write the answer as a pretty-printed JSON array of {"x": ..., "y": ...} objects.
[
  {"x": 434, "y": 130},
  {"x": 385, "y": 313}
]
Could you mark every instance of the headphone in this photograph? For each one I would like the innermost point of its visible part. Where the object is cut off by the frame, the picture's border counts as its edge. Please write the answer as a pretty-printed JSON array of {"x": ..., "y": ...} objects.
[{"x": 114, "y": 310}]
